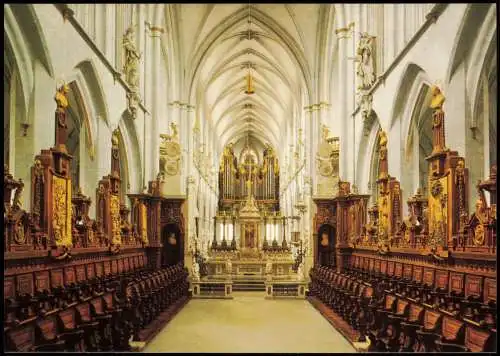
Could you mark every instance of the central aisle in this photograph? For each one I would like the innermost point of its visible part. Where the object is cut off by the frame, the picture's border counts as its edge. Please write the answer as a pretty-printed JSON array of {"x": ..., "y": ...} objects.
[{"x": 249, "y": 323}]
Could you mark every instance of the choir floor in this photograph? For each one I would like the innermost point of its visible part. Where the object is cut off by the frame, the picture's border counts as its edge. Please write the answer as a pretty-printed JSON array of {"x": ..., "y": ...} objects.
[{"x": 249, "y": 323}]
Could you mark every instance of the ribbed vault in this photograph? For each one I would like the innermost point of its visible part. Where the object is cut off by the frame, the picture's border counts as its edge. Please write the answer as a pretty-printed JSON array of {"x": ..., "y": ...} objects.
[{"x": 222, "y": 43}]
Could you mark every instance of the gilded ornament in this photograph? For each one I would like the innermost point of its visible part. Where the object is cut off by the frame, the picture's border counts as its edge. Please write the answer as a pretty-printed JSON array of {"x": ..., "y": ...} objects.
[
  {"x": 61, "y": 98},
  {"x": 479, "y": 235},
  {"x": 437, "y": 99},
  {"x": 19, "y": 235},
  {"x": 115, "y": 220},
  {"x": 61, "y": 221},
  {"x": 144, "y": 222},
  {"x": 436, "y": 189}
]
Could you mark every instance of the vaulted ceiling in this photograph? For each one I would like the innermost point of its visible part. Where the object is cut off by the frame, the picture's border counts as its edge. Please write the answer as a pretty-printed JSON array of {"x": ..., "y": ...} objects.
[{"x": 220, "y": 42}]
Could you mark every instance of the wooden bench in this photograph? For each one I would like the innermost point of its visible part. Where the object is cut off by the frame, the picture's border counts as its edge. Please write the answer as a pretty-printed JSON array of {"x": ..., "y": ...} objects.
[
  {"x": 72, "y": 335},
  {"x": 427, "y": 333},
  {"x": 452, "y": 334},
  {"x": 89, "y": 325},
  {"x": 97, "y": 308},
  {"x": 477, "y": 340},
  {"x": 47, "y": 336},
  {"x": 410, "y": 326},
  {"x": 21, "y": 338}
]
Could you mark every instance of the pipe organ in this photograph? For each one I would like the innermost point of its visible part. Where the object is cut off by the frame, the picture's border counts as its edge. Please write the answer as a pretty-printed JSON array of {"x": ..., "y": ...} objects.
[{"x": 234, "y": 177}]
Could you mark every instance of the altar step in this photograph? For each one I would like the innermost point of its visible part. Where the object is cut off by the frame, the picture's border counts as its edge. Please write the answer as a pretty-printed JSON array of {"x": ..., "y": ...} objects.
[{"x": 248, "y": 286}]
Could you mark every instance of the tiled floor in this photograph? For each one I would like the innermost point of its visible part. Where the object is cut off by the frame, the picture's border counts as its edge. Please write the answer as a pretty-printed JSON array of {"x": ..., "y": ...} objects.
[{"x": 249, "y": 323}]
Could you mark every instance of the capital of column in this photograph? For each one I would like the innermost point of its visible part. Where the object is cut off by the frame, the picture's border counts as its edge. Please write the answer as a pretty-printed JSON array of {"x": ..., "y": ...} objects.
[
  {"x": 345, "y": 32},
  {"x": 308, "y": 109},
  {"x": 175, "y": 104},
  {"x": 323, "y": 105},
  {"x": 154, "y": 31}
]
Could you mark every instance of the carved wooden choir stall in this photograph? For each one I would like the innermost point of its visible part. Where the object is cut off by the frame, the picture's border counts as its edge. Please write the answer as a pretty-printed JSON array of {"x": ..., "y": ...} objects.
[
  {"x": 422, "y": 283},
  {"x": 72, "y": 283}
]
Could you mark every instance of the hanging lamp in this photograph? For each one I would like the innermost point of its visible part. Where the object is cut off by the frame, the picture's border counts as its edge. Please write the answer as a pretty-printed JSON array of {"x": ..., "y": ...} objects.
[
  {"x": 249, "y": 81},
  {"x": 249, "y": 89}
]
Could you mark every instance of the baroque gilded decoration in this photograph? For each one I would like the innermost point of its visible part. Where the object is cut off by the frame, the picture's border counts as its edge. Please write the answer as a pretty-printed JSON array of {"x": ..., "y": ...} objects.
[
  {"x": 115, "y": 220},
  {"x": 61, "y": 221},
  {"x": 170, "y": 153},
  {"x": 389, "y": 208},
  {"x": 479, "y": 233},
  {"x": 438, "y": 212},
  {"x": 448, "y": 177},
  {"x": 144, "y": 222}
]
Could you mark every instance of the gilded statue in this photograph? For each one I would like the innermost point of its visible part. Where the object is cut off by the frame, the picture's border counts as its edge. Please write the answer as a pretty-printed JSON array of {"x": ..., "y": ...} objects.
[
  {"x": 114, "y": 139},
  {"x": 325, "y": 132},
  {"x": 269, "y": 267},
  {"x": 438, "y": 135},
  {"x": 61, "y": 126},
  {"x": 382, "y": 139},
  {"x": 383, "y": 167},
  {"x": 480, "y": 211},
  {"x": 61, "y": 98},
  {"x": 437, "y": 99},
  {"x": 173, "y": 136},
  {"x": 479, "y": 235}
]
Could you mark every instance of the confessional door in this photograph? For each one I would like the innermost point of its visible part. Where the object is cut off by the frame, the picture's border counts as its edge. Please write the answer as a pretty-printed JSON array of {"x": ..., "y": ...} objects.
[
  {"x": 326, "y": 241},
  {"x": 171, "y": 240}
]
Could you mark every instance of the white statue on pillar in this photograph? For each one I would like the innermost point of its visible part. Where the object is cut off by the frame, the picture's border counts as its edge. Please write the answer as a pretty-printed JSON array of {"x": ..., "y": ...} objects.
[
  {"x": 300, "y": 271},
  {"x": 269, "y": 269},
  {"x": 196, "y": 270},
  {"x": 229, "y": 266},
  {"x": 366, "y": 62},
  {"x": 131, "y": 70}
]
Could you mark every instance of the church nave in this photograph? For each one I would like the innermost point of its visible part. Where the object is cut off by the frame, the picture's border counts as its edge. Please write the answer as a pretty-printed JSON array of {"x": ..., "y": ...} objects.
[
  {"x": 253, "y": 177},
  {"x": 249, "y": 323}
]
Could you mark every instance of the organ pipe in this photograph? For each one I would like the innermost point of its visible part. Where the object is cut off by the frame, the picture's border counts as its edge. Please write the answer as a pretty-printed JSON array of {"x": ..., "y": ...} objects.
[{"x": 233, "y": 176}]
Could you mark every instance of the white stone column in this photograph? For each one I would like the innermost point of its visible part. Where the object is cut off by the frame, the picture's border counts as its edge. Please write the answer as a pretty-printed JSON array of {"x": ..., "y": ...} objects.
[
  {"x": 342, "y": 101},
  {"x": 156, "y": 94},
  {"x": 188, "y": 118},
  {"x": 110, "y": 35},
  {"x": 347, "y": 143}
]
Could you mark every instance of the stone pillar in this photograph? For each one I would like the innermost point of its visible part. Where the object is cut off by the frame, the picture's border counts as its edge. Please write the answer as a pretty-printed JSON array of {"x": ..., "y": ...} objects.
[
  {"x": 156, "y": 95},
  {"x": 309, "y": 141}
]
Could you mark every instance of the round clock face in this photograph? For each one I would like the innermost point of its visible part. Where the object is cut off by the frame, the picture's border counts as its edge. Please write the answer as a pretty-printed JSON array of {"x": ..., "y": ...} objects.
[
  {"x": 173, "y": 149},
  {"x": 325, "y": 169}
]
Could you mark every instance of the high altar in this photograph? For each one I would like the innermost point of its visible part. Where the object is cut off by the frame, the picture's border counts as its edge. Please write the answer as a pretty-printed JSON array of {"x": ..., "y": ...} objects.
[{"x": 251, "y": 247}]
